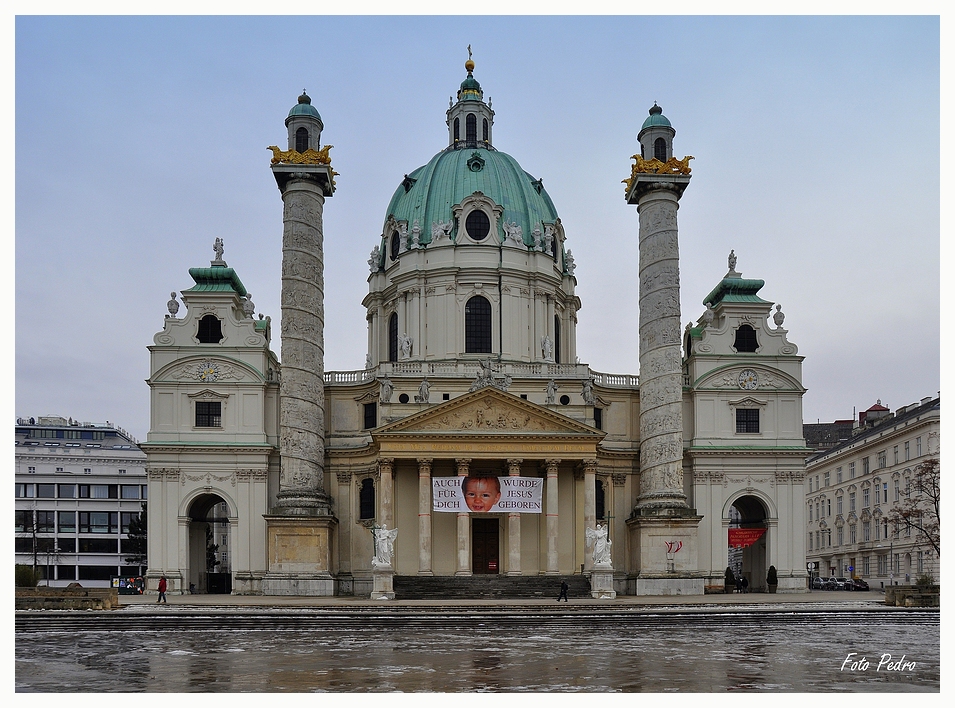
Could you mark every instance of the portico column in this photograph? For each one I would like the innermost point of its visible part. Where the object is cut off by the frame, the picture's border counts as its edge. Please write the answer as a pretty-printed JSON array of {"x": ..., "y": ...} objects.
[
  {"x": 514, "y": 527},
  {"x": 424, "y": 517},
  {"x": 464, "y": 529},
  {"x": 551, "y": 491},
  {"x": 589, "y": 468},
  {"x": 386, "y": 466}
]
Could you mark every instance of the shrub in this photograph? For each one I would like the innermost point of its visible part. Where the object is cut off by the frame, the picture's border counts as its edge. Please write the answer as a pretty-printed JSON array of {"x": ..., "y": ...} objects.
[
  {"x": 25, "y": 576},
  {"x": 924, "y": 580}
]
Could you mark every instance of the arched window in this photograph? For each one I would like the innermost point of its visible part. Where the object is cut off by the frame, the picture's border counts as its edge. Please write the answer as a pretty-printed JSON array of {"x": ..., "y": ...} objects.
[
  {"x": 395, "y": 245},
  {"x": 556, "y": 339},
  {"x": 393, "y": 337},
  {"x": 746, "y": 339},
  {"x": 553, "y": 248},
  {"x": 477, "y": 326},
  {"x": 485, "y": 130},
  {"x": 457, "y": 128},
  {"x": 301, "y": 140},
  {"x": 660, "y": 149},
  {"x": 210, "y": 330},
  {"x": 599, "y": 499},
  {"x": 366, "y": 499},
  {"x": 470, "y": 125}
]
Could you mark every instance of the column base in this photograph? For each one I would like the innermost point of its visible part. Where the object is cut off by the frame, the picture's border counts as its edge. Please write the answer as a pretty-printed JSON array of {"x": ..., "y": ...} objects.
[
  {"x": 298, "y": 584},
  {"x": 670, "y": 584},
  {"x": 664, "y": 544},
  {"x": 247, "y": 583},
  {"x": 300, "y": 561},
  {"x": 302, "y": 503}
]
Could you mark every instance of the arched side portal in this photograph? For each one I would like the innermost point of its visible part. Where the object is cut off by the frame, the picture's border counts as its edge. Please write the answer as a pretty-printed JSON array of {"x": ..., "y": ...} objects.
[
  {"x": 210, "y": 538},
  {"x": 748, "y": 541}
]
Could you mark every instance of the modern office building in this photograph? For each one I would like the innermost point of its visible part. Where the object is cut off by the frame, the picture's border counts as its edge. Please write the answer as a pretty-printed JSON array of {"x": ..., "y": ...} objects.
[
  {"x": 78, "y": 487},
  {"x": 852, "y": 488}
]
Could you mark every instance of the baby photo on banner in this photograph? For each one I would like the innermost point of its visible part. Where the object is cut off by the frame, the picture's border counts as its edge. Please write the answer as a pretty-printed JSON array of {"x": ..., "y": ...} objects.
[{"x": 485, "y": 494}]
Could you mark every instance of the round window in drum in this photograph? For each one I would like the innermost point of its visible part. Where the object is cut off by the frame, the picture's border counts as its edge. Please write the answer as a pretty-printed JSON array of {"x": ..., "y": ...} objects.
[{"x": 478, "y": 225}]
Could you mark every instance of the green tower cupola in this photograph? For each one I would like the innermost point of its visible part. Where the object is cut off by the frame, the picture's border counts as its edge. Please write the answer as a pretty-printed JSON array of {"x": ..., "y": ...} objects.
[
  {"x": 656, "y": 136},
  {"x": 470, "y": 120}
]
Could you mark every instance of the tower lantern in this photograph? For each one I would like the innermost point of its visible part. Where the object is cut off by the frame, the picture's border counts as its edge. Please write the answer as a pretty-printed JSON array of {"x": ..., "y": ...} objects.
[
  {"x": 656, "y": 136},
  {"x": 304, "y": 125}
]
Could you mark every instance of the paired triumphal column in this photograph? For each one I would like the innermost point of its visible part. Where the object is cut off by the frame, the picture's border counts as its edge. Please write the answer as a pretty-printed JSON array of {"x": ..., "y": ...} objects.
[
  {"x": 300, "y": 523},
  {"x": 661, "y": 515}
]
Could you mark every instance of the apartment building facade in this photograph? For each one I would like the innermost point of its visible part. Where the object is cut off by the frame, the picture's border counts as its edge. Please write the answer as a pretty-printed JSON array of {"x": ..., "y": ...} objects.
[{"x": 853, "y": 487}]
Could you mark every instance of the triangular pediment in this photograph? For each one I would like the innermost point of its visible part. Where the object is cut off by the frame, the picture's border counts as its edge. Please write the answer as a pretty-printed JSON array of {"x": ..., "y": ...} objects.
[{"x": 488, "y": 411}]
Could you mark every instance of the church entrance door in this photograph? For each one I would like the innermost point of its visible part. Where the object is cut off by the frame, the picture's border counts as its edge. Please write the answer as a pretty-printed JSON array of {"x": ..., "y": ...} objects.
[{"x": 485, "y": 543}]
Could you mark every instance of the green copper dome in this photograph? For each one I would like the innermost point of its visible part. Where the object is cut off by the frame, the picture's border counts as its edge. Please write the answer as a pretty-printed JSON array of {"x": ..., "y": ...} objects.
[
  {"x": 304, "y": 107},
  {"x": 656, "y": 118},
  {"x": 428, "y": 193}
]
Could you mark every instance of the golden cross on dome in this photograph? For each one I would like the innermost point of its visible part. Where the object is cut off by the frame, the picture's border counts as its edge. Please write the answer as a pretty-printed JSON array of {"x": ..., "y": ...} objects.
[{"x": 469, "y": 51}]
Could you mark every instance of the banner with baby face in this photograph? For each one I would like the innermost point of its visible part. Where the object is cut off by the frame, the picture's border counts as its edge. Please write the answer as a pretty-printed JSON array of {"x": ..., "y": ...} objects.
[{"x": 523, "y": 495}]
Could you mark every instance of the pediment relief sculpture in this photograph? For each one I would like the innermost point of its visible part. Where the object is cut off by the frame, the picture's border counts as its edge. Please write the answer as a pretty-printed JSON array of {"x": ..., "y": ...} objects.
[{"x": 488, "y": 411}]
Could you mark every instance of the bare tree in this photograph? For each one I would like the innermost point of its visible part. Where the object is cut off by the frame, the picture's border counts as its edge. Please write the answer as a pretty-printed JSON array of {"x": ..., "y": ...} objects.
[{"x": 919, "y": 510}]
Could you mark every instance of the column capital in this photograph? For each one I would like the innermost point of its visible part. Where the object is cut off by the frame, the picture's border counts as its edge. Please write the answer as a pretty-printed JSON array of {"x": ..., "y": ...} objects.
[
  {"x": 424, "y": 466},
  {"x": 464, "y": 465},
  {"x": 588, "y": 466},
  {"x": 550, "y": 466},
  {"x": 514, "y": 467},
  {"x": 619, "y": 479},
  {"x": 386, "y": 463}
]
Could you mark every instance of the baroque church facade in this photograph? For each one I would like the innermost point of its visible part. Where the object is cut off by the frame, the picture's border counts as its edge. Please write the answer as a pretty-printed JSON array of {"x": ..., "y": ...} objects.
[{"x": 472, "y": 386}]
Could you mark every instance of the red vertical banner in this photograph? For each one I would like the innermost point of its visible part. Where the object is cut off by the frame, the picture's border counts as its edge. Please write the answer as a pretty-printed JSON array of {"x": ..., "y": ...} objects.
[{"x": 741, "y": 538}]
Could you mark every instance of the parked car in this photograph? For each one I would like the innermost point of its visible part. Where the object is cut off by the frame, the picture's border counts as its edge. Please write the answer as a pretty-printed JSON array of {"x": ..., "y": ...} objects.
[
  {"x": 859, "y": 584},
  {"x": 819, "y": 583},
  {"x": 831, "y": 583},
  {"x": 843, "y": 584}
]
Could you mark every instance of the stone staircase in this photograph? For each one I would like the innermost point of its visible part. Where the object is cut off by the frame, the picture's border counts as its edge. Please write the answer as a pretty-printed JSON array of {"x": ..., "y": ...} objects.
[{"x": 488, "y": 587}]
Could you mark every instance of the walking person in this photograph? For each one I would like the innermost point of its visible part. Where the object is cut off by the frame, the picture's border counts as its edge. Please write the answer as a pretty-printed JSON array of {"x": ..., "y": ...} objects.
[
  {"x": 563, "y": 591},
  {"x": 745, "y": 584},
  {"x": 739, "y": 584},
  {"x": 162, "y": 591}
]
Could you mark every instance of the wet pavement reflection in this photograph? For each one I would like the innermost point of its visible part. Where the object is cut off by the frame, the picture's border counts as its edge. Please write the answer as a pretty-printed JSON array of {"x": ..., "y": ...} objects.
[{"x": 685, "y": 658}]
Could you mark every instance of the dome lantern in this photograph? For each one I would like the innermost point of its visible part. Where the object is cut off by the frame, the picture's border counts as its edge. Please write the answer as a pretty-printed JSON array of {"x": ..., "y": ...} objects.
[{"x": 470, "y": 120}]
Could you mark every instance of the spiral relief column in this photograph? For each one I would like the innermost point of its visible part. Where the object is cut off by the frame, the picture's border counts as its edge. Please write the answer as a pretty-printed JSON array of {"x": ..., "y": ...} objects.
[
  {"x": 302, "y": 404},
  {"x": 300, "y": 521},
  {"x": 661, "y": 519}
]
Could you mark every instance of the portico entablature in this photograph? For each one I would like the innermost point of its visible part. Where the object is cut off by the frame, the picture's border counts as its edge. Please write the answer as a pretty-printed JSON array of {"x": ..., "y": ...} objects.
[{"x": 488, "y": 424}]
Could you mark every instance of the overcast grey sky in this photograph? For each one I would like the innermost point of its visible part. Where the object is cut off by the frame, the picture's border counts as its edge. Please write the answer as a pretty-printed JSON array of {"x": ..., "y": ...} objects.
[{"x": 140, "y": 140}]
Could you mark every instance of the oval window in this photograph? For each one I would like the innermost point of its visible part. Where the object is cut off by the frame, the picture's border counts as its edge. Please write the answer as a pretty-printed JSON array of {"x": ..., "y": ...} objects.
[{"x": 478, "y": 225}]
